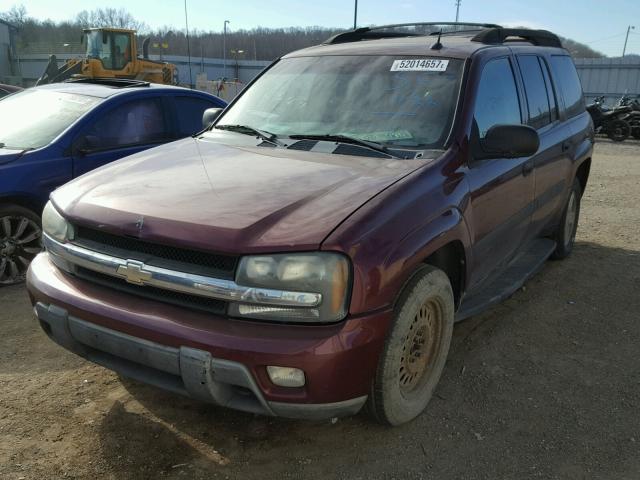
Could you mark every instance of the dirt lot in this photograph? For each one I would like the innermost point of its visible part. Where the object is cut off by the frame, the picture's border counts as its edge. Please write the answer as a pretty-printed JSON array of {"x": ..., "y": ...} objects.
[{"x": 545, "y": 385}]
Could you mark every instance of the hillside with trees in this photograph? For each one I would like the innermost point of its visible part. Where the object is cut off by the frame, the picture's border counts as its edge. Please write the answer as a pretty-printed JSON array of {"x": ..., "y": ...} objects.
[{"x": 46, "y": 36}]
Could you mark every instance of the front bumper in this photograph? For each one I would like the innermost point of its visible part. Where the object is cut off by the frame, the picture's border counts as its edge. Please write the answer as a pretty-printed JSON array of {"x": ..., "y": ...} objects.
[{"x": 212, "y": 359}]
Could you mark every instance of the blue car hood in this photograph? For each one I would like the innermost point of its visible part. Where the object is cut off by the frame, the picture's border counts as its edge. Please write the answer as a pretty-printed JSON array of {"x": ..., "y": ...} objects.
[{"x": 7, "y": 156}]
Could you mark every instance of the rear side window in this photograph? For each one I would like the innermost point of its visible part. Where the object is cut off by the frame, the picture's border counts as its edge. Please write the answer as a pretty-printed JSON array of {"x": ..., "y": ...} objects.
[
  {"x": 535, "y": 90},
  {"x": 564, "y": 73},
  {"x": 497, "y": 100},
  {"x": 190, "y": 110}
]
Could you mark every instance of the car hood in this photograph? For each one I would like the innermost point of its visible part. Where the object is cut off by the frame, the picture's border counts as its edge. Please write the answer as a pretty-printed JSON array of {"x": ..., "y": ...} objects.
[
  {"x": 231, "y": 199},
  {"x": 7, "y": 156}
]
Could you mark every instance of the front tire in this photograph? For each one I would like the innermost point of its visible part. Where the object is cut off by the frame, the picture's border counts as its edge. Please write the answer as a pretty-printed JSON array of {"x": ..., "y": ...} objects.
[
  {"x": 20, "y": 242},
  {"x": 416, "y": 348},
  {"x": 566, "y": 234}
]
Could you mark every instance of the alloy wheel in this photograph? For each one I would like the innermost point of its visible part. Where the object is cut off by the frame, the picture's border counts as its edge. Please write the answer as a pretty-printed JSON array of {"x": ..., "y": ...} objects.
[{"x": 20, "y": 242}]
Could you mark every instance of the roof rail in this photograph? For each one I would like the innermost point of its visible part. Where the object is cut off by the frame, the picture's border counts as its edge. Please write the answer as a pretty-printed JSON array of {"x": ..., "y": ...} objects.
[
  {"x": 111, "y": 82},
  {"x": 403, "y": 30},
  {"x": 543, "y": 38}
]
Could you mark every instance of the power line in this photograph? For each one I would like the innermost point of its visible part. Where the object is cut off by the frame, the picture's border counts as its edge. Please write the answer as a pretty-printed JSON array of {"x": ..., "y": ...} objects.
[{"x": 605, "y": 38}]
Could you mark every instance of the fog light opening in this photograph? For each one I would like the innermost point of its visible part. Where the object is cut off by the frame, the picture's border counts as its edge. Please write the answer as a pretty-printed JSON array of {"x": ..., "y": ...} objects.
[{"x": 286, "y": 376}]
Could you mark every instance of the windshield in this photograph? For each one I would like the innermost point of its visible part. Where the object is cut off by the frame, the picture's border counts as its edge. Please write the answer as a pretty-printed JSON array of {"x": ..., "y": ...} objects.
[
  {"x": 400, "y": 101},
  {"x": 33, "y": 118}
]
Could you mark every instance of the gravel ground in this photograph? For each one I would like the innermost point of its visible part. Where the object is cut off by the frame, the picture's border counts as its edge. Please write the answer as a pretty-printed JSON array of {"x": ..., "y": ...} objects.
[{"x": 545, "y": 385}]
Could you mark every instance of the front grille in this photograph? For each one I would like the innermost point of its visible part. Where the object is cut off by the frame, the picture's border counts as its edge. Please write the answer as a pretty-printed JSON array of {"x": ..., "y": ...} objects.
[
  {"x": 185, "y": 300},
  {"x": 185, "y": 260}
]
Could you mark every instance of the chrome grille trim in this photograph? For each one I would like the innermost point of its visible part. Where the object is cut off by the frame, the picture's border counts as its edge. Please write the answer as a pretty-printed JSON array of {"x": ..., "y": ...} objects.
[{"x": 74, "y": 255}]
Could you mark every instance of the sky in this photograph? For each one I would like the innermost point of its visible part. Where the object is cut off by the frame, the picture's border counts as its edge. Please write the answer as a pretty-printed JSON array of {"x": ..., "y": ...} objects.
[{"x": 602, "y": 24}]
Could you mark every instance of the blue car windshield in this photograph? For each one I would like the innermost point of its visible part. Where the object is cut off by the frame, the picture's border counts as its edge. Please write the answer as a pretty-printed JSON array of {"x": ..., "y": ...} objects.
[
  {"x": 33, "y": 118},
  {"x": 402, "y": 101}
]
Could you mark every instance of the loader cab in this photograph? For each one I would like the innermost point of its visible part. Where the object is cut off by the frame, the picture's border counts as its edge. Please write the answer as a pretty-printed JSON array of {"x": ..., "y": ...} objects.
[{"x": 113, "y": 47}]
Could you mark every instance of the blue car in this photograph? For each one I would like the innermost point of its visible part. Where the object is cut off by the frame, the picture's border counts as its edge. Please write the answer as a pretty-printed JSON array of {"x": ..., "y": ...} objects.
[{"x": 54, "y": 133}]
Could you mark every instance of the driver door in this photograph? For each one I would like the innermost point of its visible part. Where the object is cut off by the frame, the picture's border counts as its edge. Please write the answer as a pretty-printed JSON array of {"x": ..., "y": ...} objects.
[
  {"x": 502, "y": 189},
  {"x": 123, "y": 130}
]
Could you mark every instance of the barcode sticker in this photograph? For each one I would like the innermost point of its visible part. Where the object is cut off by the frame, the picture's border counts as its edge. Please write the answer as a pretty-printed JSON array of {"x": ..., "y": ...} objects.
[{"x": 420, "y": 65}]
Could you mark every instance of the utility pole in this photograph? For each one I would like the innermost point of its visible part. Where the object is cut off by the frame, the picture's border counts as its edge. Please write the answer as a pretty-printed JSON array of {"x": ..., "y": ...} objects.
[
  {"x": 186, "y": 21},
  {"x": 458, "y": 2},
  {"x": 355, "y": 16},
  {"x": 224, "y": 50},
  {"x": 626, "y": 39}
]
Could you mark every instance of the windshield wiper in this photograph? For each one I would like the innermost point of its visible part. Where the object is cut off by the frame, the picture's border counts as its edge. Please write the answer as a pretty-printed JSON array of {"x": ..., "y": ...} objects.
[
  {"x": 246, "y": 130},
  {"x": 378, "y": 147}
]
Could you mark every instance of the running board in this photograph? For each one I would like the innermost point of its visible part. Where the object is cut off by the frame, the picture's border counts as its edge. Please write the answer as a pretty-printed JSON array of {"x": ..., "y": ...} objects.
[{"x": 523, "y": 267}]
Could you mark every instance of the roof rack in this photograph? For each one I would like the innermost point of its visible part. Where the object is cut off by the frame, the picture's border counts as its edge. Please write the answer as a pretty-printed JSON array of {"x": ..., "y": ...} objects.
[
  {"x": 111, "y": 82},
  {"x": 543, "y": 38},
  {"x": 404, "y": 30}
]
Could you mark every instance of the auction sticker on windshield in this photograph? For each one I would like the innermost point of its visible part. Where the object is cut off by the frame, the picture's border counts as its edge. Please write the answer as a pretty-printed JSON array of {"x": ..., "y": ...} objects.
[{"x": 420, "y": 65}]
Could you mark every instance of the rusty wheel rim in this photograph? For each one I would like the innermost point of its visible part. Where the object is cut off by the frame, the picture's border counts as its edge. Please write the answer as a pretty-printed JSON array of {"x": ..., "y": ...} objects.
[{"x": 420, "y": 346}]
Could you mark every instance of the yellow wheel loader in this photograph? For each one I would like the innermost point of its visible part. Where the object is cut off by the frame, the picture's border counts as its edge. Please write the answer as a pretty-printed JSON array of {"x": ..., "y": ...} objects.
[{"x": 111, "y": 53}]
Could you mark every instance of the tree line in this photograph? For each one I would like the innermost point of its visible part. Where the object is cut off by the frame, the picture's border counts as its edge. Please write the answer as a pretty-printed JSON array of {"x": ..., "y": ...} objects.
[{"x": 47, "y": 36}]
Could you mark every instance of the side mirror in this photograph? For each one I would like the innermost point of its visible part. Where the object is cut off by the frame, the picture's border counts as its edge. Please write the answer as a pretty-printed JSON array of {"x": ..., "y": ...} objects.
[
  {"x": 86, "y": 144},
  {"x": 209, "y": 116},
  {"x": 510, "y": 141}
]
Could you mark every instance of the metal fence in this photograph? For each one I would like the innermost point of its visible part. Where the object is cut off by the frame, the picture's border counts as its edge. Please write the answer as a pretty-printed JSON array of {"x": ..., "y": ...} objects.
[{"x": 611, "y": 77}]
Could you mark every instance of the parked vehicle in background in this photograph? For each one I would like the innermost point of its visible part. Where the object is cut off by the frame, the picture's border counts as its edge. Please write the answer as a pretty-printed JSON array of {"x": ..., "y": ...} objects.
[
  {"x": 612, "y": 122},
  {"x": 310, "y": 252},
  {"x": 8, "y": 89},
  {"x": 633, "y": 118},
  {"x": 52, "y": 134}
]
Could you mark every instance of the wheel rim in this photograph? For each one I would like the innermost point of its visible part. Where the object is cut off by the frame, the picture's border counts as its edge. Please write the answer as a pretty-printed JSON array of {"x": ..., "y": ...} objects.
[
  {"x": 19, "y": 243},
  {"x": 570, "y": 219},
  {"x": 421, "y": 346}
]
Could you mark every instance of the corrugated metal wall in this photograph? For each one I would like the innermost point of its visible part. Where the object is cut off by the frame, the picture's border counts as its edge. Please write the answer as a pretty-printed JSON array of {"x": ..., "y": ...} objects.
[{"x": 612, "y": 77}]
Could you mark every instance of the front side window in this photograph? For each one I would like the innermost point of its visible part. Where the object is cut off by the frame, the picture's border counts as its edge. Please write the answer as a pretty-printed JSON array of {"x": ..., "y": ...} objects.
[
  {"x": 190, "y": 110},
  {"x": 564, "y": 72},
  {"x": 34, "y": 118},
  {"x": 535, "y": 91},
  {"x": 139, "y": 122},
  {"x": 497, "y": 97},
  {"x": 374, "y": 98}
]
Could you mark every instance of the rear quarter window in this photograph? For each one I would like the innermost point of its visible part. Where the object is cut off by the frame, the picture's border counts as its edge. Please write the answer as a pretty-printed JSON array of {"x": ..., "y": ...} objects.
[{"x": 566, "y": 76}]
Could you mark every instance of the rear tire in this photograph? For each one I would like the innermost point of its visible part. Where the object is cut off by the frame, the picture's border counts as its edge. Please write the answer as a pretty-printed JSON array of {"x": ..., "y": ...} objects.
[
  {"x": 20, "y": 242},
  {"x": 566, "y": 233},
  {"x": 416, "y": 348}
]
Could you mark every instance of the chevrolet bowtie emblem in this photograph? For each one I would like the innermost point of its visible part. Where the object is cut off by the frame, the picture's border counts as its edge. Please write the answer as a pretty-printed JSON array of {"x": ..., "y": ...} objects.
[{"x": 134, "y": 272}]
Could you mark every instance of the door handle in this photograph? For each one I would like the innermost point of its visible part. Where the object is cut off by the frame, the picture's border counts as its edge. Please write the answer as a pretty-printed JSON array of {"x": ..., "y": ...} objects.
[{"x": 527, "y": 168}]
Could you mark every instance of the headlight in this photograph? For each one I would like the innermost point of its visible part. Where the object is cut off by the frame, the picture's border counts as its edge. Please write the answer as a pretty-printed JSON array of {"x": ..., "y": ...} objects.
[
  {"x": 54, "y": 224},
  {"x": 322, "y": 272}
]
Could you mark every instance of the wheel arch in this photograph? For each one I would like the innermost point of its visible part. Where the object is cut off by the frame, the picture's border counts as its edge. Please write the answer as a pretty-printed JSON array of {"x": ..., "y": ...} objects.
[
  {"x": 444, "y": 244},
  {"x": 22, "y": 200},
  {"x": 582, "y": 173}
]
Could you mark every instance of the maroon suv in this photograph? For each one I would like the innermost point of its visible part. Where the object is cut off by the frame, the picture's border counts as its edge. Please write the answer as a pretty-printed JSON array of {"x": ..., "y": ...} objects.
[{"x": 311, "y": 250}]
